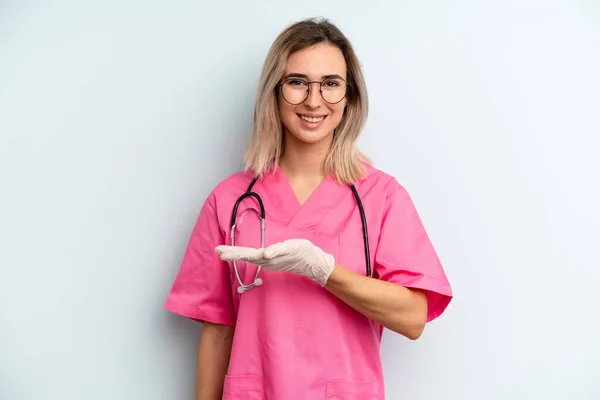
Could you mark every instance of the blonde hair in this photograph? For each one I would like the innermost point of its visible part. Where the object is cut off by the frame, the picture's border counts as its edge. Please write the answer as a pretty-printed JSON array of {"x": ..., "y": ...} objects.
[{"x": 267, "y": 139}]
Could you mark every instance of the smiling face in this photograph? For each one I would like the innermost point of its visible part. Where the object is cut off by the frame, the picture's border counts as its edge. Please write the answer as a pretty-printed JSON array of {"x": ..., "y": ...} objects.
[{"x": 314, "y": 119}]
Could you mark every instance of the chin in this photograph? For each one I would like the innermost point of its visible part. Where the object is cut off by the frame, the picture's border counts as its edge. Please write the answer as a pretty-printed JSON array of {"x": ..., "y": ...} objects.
[{"x": 310, "y": 137}]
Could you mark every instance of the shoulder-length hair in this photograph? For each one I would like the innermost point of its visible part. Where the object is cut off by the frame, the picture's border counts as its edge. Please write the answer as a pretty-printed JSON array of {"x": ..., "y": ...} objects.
[{"x": 267, "y": 139}]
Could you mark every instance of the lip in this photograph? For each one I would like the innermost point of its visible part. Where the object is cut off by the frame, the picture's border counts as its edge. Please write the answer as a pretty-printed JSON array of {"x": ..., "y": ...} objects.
[
  {"x": 312, "y": 125},
  {"x": 312, "y": 115}
]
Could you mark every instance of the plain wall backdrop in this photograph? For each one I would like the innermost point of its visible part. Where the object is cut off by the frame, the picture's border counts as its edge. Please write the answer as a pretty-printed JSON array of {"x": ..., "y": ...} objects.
[{"x": 118, "y": 118}]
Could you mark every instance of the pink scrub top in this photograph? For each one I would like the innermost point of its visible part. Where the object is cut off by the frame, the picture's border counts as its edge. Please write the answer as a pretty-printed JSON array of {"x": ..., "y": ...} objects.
[{"x": 293, "y": 339}]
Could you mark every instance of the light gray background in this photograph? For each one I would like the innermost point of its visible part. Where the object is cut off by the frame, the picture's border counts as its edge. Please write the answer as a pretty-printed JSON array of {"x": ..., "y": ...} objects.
[{"x": 117, "y": 119}]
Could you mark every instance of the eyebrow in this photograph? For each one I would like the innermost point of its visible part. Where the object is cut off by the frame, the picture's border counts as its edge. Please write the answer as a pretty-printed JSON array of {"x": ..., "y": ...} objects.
[{"x": 296, "y": 75}]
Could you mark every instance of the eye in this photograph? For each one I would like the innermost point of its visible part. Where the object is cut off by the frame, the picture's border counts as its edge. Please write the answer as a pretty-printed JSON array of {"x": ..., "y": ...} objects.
[
  {"x": 331, "y": 83},
  {"x": 295, "y": 82}
]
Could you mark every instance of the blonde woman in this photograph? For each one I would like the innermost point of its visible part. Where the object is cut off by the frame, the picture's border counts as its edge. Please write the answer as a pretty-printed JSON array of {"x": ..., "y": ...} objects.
[{"x": 297, "y": 311}]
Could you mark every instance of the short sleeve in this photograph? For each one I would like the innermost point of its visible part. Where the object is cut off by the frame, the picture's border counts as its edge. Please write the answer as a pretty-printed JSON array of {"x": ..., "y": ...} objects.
[
  {"x": 405, "y": 254},
  {"x": 202, "y": 287}
]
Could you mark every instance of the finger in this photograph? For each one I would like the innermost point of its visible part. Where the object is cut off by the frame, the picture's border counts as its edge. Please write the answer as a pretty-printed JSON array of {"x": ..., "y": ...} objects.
[
  {"x": 222, "y": 249},
  {"x": 231, "y": 253}
]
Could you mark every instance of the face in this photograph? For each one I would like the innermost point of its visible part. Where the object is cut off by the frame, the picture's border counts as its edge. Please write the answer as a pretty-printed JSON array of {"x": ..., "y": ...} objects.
[{"x": 314, "y": 119}]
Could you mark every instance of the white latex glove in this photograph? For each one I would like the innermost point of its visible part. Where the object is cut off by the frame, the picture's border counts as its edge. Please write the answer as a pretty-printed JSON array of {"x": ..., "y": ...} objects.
[{"x": 299, "y": 256}]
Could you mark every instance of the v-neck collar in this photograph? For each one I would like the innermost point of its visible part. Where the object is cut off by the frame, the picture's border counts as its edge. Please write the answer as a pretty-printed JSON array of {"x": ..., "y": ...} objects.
[{"x": 293, "y": 212}]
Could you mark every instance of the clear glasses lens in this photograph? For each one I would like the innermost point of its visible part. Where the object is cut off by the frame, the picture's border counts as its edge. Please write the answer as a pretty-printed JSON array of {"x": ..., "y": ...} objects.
[{"x": 295, "y": 91}]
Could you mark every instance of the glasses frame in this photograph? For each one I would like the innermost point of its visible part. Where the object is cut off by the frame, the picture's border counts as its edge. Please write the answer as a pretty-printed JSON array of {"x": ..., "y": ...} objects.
[{"x": 308, "y": 83}]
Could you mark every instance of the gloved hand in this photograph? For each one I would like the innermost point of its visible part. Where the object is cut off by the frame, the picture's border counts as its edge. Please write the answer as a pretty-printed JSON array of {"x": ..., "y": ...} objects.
[{"x": 299, "y": 256}]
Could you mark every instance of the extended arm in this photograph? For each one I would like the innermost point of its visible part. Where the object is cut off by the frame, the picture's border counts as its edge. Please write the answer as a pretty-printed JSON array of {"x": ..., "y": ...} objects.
[{"x": 398, "y": 308}]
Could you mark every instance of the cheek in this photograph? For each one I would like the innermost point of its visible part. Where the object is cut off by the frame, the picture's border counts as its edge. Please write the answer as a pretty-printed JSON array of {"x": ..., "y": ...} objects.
[
  {"x": 286, "y": 113},
  {"x": 337, "y": 113}
]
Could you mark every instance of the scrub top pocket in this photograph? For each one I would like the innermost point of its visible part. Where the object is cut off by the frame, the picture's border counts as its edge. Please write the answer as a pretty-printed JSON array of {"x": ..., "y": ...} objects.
[{"x": 243, "y": 387}]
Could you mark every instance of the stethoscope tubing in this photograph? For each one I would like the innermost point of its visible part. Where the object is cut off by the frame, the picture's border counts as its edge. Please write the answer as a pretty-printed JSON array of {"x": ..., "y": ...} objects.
[{"x": 262, "y": 215}]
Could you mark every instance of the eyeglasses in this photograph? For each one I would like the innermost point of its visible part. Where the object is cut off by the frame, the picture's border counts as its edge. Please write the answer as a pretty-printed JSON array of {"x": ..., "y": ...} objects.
[{"x": 295, "y": 90}]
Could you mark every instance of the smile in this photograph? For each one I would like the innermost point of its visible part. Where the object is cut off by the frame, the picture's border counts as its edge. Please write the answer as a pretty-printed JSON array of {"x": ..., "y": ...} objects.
[{"x": 312, "y": 119}]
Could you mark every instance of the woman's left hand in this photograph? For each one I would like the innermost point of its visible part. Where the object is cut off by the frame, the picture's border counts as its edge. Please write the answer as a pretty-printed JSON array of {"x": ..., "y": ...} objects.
[{"x": 299, "y": 256}]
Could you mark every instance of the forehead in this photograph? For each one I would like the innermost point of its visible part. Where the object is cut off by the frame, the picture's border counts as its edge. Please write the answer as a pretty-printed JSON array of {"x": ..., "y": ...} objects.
[{"x": 317, "y": 61}]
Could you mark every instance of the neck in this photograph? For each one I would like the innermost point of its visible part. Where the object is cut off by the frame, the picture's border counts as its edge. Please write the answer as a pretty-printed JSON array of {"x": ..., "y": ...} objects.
[{"x": 303, "y": 159}]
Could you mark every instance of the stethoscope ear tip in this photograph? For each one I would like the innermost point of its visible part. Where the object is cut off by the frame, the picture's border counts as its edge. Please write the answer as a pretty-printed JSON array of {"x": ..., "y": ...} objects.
[{"x": 242, "y": 289}]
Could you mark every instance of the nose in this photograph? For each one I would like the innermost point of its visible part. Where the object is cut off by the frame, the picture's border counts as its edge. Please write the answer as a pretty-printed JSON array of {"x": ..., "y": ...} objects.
[{"x": 313, "y": 100}]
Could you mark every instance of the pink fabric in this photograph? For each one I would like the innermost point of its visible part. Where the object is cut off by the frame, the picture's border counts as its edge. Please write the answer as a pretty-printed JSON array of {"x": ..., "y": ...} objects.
[{"x": 293, "y": 339}]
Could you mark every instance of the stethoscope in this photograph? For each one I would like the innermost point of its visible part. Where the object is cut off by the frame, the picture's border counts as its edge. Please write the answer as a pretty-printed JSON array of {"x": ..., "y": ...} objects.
[{"x": 257, "y": 280}]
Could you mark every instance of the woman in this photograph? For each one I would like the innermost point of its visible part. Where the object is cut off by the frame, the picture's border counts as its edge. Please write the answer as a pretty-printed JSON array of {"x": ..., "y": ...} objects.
[{"x": 308, "y": 324}]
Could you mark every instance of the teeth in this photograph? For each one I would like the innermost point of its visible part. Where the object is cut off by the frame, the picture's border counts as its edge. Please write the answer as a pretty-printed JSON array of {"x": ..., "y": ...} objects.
[{"x": 309, "y": 119}]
